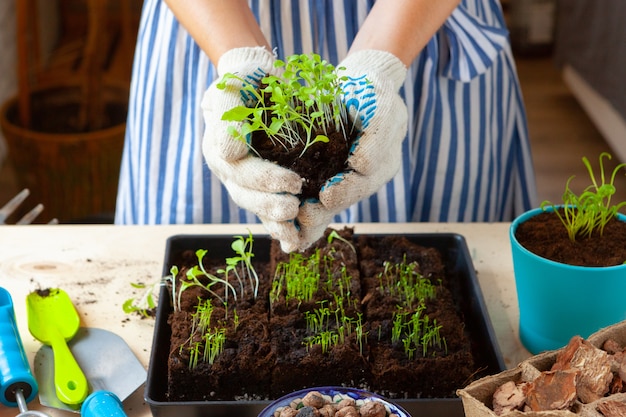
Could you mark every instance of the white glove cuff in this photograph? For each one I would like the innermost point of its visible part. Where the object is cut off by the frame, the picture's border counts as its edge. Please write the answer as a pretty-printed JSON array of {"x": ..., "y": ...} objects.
[
  {"x": 247, "y": 59},
  {"x": 370, "y": 61}
]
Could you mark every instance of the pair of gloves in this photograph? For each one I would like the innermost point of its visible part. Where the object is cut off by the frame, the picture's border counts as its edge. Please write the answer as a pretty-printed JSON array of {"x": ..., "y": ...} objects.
[{"x": 371, "y": 94}]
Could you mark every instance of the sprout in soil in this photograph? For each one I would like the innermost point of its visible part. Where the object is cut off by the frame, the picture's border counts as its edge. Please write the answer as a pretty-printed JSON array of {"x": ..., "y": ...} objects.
[
  {"x": 241, "y": 264},
  {"x": 411, "y": 325},
  {"x": 327, "y": 333},
  {"x": 403, "y": 280},
  {"x": 297, "y": 108},
  {"x": 204, "y": 341},
  {"x": 416, "y": 330},
  {"x": 299, "y": 278},
  {"x": 200, "y": 277},
  {"x": 335, "y": 235},
  {"x": 147, "y": 300},
  {"x": 590, "y": 211},
  {"x": 302, "y": 276}
]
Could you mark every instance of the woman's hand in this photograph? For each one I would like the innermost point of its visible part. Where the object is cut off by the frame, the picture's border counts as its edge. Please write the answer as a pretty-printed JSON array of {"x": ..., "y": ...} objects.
[
  {"x": 371, "y": 95},
  {"x": 262, "y": 187}
]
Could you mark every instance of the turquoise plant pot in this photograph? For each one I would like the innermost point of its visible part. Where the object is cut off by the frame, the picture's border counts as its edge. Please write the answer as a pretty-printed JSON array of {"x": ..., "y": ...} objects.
[{"x": 558, "y": 301}]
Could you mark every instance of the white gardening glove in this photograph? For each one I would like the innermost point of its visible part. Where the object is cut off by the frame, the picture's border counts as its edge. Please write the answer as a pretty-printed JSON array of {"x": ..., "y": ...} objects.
[
  {"x": 373, "y": 100},
  {"x": 254, "y": 184}
]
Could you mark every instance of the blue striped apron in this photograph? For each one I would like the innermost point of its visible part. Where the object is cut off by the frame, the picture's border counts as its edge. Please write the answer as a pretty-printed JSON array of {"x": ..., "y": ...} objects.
[{"x": 466, "y": 156}]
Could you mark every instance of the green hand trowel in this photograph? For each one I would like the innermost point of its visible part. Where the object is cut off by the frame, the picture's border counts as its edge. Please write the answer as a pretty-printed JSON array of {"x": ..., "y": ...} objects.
[
  {"x": 106, "y": 361},
  {"x": 53, "y": 320}
]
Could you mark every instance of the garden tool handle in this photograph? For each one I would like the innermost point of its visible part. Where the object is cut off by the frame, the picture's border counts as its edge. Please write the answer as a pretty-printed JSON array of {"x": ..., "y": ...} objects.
[
  {"x": 102, "y": 404},
  {"x": 15, "y": 371},
  {"x": 70, "y": 382}
]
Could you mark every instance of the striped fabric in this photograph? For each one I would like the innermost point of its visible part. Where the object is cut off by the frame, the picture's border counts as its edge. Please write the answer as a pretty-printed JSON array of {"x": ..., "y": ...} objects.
[{"x": 466, "y": 157}]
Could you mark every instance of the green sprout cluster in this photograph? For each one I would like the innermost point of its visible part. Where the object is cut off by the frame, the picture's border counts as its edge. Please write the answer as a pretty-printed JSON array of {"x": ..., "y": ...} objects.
[
  {"x": 590, "y": 211},
  {"x": 211, "y": 341},
  {"x": 240, "y": 266},
  {"x": 301, "y": 277},
  {"x": 415, "y": 330},
  {"x": 411, "y": 325},
  {"x": 205, "y": 342},
  {"x": 298, "y": 107},
  {"x": 403, "y": 280},
  {"x": 203, "y": 339},
  {"x": 332, "y": 327}
]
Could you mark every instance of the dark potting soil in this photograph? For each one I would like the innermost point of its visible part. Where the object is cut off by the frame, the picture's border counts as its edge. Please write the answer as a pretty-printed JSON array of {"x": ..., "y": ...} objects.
[
  {"x": 547, "y": 237},
  {"x": 320, "y": 162},
  {"x": 266, "y": 356}
]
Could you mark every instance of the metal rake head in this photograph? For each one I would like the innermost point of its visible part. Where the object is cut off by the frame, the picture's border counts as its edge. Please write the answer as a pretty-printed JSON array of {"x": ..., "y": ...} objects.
[{"x": 14, "y": 203}]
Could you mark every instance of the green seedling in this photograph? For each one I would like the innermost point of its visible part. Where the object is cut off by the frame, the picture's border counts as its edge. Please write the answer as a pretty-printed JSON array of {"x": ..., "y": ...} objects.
[
  {"x": 297, "y": 108},
  {"x": 403, "y": 280},
  {"x": 213, "y": 344},
  {"x": 235, "y": 319},
  {"x": 299, "y": 278},
  {"x": 241, "y": 264},
  {"x": 192, "y": 279},
  {"x": 361, "y": 336},
  {"x": 198, "y": 270},
  {"x": 416, "y": 331},
  {"x": 205, "y": 342},
  {"x": 201, "y": 319},
  {"x": 335, "y": 235},
  {"x": 318, "y": 319},
  {"x": 590, "y": 211},
  {"x": 432, "y": 338},
  {"x": 145, "y": 302}
]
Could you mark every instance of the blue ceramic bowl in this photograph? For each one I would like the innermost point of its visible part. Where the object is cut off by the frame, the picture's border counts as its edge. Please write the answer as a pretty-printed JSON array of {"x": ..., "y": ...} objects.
[{"x": 354, "y": 393}]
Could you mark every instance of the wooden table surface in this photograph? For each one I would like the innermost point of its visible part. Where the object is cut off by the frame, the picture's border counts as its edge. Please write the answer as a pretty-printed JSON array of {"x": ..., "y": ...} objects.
[{"x": 96, "y": 264}]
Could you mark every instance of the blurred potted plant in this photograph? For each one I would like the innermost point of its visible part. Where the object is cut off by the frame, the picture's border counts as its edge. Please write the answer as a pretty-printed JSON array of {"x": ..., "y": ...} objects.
[
  {"x": 65, "y": 128},
  {"x": 560, "y": 297}
]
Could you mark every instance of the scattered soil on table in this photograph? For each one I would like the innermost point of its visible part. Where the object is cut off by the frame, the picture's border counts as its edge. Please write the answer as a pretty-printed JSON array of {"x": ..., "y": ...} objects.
[
  {"x": 547, "y": 237},
  {"x": 265, "y": 355}
]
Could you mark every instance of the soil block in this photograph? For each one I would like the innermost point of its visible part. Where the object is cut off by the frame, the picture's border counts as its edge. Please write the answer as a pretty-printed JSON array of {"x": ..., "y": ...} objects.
[{"x": 273, "y": 360}]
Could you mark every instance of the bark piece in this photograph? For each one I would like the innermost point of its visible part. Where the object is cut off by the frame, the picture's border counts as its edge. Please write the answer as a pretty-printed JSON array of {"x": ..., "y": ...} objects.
[
  {"x": 612, "y": 409},
  {"x": 508, "y": 397},
  {"x": 594, "y": 368},
  {"x": 552, "y": 390},
  {"x": 617, "y": 385}
]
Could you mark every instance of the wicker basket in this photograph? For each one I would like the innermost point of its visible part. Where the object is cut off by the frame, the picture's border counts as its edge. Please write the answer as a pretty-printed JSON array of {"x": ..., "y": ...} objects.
[
  {"x": 74, "y": 174},
  {"x": 65, "y": 127}
]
